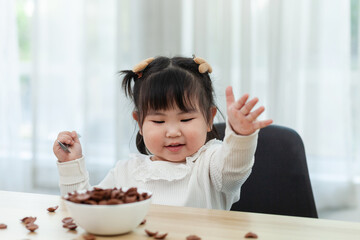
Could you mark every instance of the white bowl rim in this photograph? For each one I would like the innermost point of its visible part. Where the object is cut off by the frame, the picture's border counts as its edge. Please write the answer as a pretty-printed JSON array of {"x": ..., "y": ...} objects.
[{"x": 108, "y": 206}]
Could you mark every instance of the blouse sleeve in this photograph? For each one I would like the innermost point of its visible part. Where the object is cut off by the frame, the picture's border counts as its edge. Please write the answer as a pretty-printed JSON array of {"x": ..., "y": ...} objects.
[
  {"x": 231, "y": 164},
  {"x": 73, "y": 176}
]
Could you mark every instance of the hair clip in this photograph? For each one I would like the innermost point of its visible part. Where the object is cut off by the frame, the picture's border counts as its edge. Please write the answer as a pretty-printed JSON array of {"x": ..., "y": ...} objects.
[
  {"x": 203, "y": 65},
  {"x": 138, "y": 68}
]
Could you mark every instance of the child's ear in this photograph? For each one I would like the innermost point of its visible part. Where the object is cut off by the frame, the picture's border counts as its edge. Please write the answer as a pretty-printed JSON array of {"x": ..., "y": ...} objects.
[
  {"x": 135, "y": 115},
  {"x": 213, "y": 113}
]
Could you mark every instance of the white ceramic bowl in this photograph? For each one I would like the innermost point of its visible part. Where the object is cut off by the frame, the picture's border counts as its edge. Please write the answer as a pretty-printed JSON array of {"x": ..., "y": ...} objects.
[{"x": 109, "y": 219}]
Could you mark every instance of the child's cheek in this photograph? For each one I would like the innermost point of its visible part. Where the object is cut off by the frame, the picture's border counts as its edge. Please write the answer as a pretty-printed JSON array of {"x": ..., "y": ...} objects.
[
  {"x": 196, "y": 138},
  {"x": 152, "y": 137}
]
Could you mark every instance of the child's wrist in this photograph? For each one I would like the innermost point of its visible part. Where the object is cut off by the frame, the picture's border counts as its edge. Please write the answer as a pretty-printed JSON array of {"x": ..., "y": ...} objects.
[{"x": 68, "y": 160}]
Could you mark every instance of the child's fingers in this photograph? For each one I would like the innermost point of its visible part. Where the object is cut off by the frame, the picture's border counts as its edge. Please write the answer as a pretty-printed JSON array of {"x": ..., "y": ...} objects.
[
  {"x": 64, "y": 133},
  {"x": 241, "y": 102},
  {"x": 75, "y": 136},
  {"x": 230, "y": 99},
  {"x": 66, "y": 138},
  {"x": 56, "y": 147},
  {"x": 246, "y": 109},
  {"x": 252, "y": 116},
  {"x": 262, "y": 124}
]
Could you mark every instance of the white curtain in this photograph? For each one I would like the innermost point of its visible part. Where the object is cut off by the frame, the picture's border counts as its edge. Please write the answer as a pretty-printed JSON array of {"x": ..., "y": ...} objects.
[
  {"x": 75, "y": 69},
  {"x": 12, "y": 160},
  {"x": 298, "y": 59},
  {"x": 294, "y": 55}
]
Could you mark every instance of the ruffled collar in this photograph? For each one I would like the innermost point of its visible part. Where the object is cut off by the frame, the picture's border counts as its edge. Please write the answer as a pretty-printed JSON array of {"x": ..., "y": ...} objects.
[
  {"x": 148, "y": 170},
  {"x": 195, "y": 156}
]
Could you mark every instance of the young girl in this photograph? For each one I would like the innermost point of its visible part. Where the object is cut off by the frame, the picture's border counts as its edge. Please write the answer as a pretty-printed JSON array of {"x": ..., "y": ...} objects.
[{"x": 180, "y": 161}]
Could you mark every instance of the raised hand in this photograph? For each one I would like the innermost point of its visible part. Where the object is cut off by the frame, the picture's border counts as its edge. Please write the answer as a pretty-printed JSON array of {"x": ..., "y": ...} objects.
[
  {"x": 71, "y": 139},
  {"x": 242, "y": 119}
]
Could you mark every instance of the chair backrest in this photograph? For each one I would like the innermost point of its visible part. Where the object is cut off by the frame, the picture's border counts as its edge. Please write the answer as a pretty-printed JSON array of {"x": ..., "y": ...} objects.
[{"x": 279, "y": 182}]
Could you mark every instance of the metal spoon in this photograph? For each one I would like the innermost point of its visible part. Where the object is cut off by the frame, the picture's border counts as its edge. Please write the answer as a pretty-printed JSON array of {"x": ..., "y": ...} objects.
[{"x": 64, "y": 146}]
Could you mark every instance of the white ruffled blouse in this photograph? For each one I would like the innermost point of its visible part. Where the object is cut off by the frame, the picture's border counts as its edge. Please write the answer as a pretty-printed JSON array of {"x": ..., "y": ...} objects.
[
  {"x": 210, "y": 178},
  {"x": 147, "y": 170}
]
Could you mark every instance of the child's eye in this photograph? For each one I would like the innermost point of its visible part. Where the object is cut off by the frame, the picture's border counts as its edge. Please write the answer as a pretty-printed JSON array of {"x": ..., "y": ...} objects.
[
  {"x": 187, "y": 119},
  {"x": 158, "y": 121}
]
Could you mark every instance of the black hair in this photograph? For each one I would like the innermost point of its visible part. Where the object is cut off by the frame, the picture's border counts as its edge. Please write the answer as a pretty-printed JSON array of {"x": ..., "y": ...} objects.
[{"x": 166, "y": 83}]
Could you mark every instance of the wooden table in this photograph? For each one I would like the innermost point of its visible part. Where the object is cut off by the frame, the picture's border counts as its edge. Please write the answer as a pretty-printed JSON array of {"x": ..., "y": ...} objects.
[{"x": 178, "y": 222}]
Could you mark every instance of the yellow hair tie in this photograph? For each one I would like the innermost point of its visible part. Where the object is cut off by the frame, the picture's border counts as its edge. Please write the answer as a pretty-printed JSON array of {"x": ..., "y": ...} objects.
[
  {"x": 138, "y": 68},
  {"x": 203, "y": 65}
]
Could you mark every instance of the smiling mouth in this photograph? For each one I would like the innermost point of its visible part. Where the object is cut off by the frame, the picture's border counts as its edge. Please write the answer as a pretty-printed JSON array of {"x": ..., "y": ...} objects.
[{"x": 174, "y": 147}]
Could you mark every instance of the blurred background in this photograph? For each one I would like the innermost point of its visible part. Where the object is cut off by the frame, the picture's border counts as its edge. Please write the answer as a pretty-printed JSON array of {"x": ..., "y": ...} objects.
[{"x": 59, "y": 63}]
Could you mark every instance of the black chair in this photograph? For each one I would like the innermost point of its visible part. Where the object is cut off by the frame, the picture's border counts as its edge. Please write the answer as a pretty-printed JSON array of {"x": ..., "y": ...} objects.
[{"x": 279, "y": 182}]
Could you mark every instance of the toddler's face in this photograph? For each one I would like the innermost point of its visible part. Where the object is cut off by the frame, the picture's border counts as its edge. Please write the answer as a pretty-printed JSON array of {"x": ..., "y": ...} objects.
[{"x": 172, "y": 135}]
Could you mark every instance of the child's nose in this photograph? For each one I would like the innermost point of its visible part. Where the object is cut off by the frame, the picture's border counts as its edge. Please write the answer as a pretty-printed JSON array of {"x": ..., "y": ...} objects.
[{"x": 173, "y": 131}]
